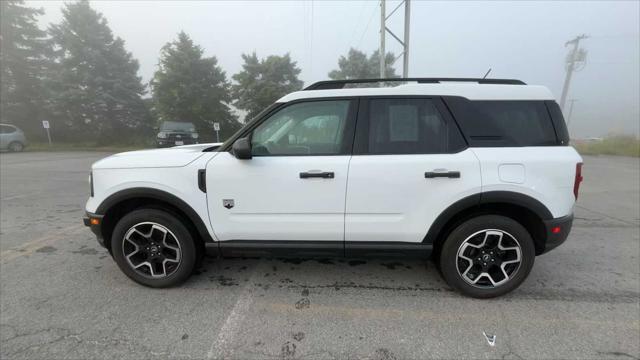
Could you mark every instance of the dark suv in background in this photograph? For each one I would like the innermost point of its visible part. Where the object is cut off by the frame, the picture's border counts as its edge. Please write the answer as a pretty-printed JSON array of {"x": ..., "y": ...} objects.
[{"x": 176, "y": 133}]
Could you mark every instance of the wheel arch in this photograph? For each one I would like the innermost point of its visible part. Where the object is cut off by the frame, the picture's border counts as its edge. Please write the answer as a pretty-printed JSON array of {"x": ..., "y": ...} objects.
[
  {"x": 114, "y": 207},
  {"x": 525, "y": 209}
]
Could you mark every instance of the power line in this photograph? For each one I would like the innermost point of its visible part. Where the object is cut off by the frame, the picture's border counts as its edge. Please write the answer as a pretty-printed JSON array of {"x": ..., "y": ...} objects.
[
  {"x": 367, "y": 27},
  {"x": 355, "y": 25}
]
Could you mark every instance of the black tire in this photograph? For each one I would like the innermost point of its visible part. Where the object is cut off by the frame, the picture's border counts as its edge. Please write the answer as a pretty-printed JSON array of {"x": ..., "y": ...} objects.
[
  {"x": 449, "y": 261},
  {"x": 16, "y": 146},
  {"x": 177, "y": 233}
]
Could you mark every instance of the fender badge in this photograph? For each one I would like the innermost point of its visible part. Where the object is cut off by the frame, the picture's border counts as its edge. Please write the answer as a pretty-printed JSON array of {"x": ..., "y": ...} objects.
[{"x": 227, "y": 203}]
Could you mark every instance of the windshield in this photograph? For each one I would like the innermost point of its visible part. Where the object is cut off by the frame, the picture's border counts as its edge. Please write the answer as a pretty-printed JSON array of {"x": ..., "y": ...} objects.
[{"x": 177, "y": 126}]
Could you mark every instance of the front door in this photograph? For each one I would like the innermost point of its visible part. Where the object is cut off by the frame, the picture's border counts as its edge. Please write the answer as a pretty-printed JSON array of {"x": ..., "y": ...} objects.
[{"x": 293, "y": 188}]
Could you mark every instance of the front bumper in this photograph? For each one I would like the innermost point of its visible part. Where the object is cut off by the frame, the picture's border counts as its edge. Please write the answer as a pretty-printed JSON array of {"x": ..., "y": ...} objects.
[
  {"x": 94, "y": 222},
  {"x": 557, "y": 231}
]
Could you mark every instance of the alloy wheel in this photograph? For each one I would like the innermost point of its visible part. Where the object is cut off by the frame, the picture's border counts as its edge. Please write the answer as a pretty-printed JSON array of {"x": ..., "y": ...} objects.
[
  {"x": 152, "y": 250},
  {"x": 489, "y": 258}
]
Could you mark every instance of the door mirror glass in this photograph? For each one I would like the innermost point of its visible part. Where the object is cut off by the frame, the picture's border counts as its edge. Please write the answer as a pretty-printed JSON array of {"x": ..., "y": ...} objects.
[{"x": 242, "y": 149}]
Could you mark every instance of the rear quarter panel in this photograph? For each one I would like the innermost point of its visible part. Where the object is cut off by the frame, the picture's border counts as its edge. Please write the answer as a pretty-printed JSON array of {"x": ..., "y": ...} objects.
[{"x": 546, "y": 173}]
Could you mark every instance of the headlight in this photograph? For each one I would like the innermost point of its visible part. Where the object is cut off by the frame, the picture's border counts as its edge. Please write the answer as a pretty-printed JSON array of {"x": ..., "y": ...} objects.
[
  {"x": 194, "y": 135},
  {"x": 162, "y": 135}
]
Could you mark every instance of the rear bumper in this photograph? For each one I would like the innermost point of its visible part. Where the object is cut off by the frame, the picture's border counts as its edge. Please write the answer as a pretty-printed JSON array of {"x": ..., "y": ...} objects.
[
  {"x": 557, "y": 231},
  {"x": 96, "y": 228}
]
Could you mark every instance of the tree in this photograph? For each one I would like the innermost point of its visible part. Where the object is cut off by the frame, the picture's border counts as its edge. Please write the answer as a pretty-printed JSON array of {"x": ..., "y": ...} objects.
[
  {"x": 193, "y": 88},
  {"x": 356, "y": 65},
  {"x": 98, "y": 94},
  {"x": 261, "y": 82},
  {"x": 23, "y": 63}
]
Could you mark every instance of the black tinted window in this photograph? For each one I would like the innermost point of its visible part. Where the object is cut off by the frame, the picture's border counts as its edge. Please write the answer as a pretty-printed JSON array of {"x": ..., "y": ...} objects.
[
  {"x": 407, "y": 126},
  {"x": 558, "y": 122},
  {"x": 503, "y": 122},
  {"x": 524, "y": 123}
]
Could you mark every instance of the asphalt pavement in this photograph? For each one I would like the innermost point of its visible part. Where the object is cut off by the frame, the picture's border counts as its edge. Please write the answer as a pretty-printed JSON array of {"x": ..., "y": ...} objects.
[{"x": 63, "y": 297}]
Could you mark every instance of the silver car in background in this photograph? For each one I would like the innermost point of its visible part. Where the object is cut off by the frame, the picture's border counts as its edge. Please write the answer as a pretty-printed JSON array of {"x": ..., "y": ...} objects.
[{"x": 12, "y": 138}]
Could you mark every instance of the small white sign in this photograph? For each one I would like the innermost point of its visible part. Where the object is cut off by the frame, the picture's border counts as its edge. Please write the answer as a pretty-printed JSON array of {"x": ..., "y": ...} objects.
[
  {"x": 45, "y": 124},
  {"x": 216, "y": 126}
]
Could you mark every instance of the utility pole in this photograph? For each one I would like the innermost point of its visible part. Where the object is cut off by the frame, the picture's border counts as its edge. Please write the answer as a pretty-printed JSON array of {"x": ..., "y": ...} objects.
[
  {"x": 404, "y": 42},
  {"x": 382, "y": 36},
  {"x": 574, "y": 62},
  {"x": 572, "y": 101},
  {"x": 407, "y": 17}
]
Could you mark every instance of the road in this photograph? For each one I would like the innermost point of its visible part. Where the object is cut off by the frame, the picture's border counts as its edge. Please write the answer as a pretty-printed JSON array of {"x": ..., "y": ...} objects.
[{"x": 62, "y": 296}]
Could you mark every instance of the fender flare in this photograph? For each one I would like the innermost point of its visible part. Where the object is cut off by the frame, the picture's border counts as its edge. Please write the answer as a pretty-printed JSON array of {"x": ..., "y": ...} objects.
[
  {"x": 155, "y": 194},
  {"x": 490, "y": 197}
]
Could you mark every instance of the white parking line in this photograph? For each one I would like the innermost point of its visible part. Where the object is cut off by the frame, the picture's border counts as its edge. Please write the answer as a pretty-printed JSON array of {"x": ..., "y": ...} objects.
[{"x": 220, "y": 347}]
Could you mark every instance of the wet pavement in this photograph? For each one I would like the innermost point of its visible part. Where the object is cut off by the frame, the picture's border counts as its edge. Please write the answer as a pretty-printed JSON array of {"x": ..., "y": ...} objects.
[{"x": 62, "y": 296}]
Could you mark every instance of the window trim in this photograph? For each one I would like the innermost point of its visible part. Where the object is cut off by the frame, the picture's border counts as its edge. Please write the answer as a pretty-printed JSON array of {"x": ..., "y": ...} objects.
[
  {"x": 347, "y": 135},
  {"x": 361, "y": 141}
]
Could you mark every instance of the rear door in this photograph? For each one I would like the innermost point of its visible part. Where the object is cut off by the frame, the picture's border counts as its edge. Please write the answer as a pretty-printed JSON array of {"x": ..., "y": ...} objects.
[
  {"x": 294, "y": 186},
  {"x": 410, "y": 163}
]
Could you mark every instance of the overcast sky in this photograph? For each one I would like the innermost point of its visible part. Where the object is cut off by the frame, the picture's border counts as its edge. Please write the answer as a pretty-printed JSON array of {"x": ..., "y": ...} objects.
[{"x": 523, "y": 40}]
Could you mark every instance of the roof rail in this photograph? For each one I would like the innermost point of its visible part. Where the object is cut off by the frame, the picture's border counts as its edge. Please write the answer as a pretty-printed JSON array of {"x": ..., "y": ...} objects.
[{"x": 340, "y": 84}]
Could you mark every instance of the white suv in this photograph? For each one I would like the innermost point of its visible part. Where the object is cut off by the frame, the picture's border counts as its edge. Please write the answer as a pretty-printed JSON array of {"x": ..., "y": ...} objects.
[{"x": 477, "y": 172}]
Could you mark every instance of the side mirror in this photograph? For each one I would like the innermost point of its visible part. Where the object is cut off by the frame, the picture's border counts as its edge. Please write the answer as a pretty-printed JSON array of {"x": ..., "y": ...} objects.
[{"x": 242, "y": 149}]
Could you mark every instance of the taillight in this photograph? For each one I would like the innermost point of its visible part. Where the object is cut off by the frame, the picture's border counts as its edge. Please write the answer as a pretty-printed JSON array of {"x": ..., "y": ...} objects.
[{"x": 578, "y": 180}]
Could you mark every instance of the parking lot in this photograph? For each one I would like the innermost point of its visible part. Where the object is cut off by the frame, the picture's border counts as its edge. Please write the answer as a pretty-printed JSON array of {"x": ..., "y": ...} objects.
[{"x": 62, "y": 296}]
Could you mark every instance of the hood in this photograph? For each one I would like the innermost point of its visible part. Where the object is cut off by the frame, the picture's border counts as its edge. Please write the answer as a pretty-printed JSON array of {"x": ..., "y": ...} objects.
[{"x": 156, "y": 158}]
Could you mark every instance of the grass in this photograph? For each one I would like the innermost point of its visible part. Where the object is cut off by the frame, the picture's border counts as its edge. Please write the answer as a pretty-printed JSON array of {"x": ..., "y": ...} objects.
[
  {"x": 85, "y": 147},
  {"x": 622, "y": 145}
]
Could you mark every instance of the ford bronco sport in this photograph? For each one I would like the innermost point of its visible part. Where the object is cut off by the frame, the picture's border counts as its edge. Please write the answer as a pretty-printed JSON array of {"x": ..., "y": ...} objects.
[{"x": 477, "y": 173}]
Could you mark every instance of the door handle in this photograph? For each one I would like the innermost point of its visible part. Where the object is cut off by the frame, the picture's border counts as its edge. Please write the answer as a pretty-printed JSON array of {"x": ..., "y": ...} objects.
[
  {"x": 444, "y": 174},
  {"x": 317, "y": 174}
]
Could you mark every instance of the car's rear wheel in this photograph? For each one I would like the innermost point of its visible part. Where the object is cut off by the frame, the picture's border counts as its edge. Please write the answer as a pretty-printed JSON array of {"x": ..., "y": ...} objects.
[
  {"x": 153, "y": 248},
  {"x": 487, "y": 256},
  {"x": 16, "y": 146}
]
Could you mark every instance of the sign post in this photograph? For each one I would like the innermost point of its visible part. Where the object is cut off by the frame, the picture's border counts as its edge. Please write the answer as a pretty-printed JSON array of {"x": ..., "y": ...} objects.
[
  {"x": 45, "y": 125},
  {"x": 216, "y": 127}
]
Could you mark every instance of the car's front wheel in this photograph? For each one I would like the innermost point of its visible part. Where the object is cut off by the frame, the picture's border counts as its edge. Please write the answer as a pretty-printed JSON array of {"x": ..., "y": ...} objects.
[
  {"x": 153, "y": 248},
  {"x": 487, "y": 256}
]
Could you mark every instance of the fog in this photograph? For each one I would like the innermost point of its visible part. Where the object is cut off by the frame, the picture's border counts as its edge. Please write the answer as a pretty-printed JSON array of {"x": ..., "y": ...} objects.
[{"x": 523, "y": 40}]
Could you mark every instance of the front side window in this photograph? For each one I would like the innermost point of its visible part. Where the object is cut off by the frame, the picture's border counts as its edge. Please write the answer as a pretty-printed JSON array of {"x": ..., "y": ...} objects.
[
  {"x": 407, "y": 126},
  {"x": 309, "y": 128}
]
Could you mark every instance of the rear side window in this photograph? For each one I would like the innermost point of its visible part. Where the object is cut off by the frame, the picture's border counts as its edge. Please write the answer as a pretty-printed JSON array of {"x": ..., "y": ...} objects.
[
  {"x": 504, "y": 122},
  {"x": 558, "y": 122},
  {"x": 408, "y": 126},
  {"x": 5, "y": 129}
]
